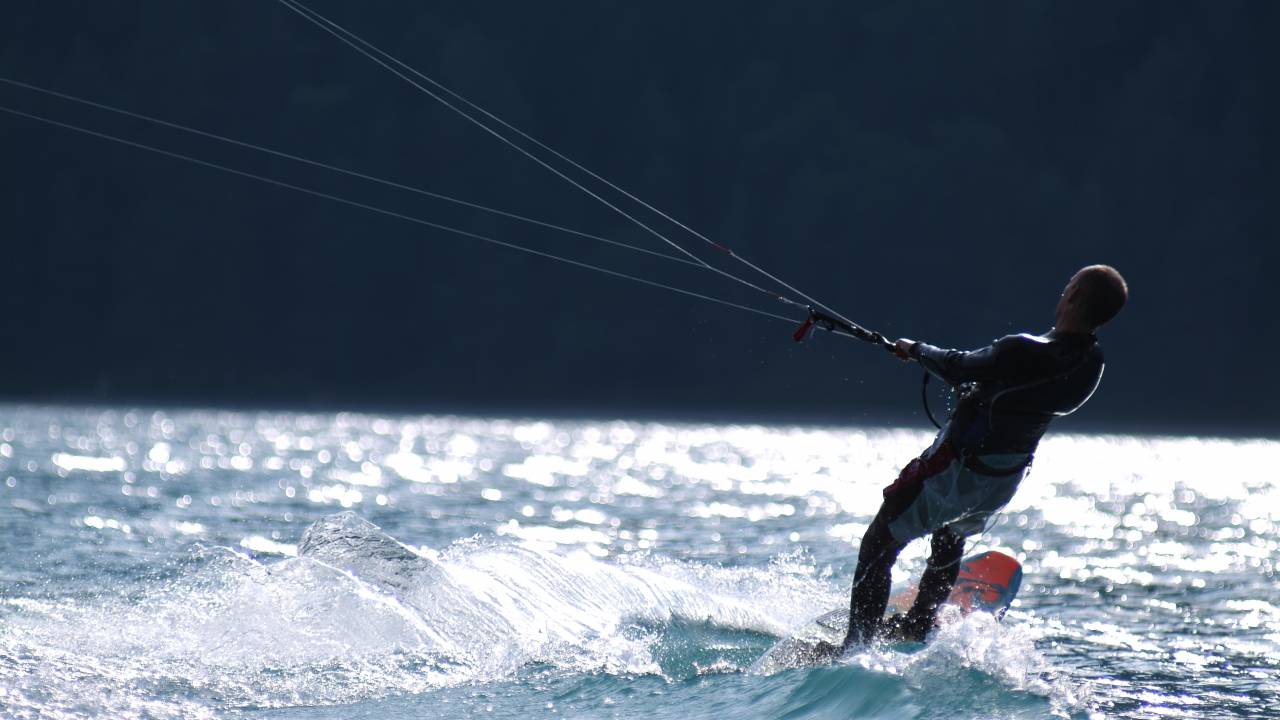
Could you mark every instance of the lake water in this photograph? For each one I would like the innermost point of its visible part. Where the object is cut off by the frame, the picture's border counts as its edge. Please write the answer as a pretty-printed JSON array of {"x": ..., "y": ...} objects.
[{"x": 152, "y": 569}]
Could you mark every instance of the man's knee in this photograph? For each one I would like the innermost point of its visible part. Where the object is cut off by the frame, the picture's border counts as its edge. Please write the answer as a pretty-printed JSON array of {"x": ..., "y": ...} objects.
[
  {"x": 878, "y": 542},
  {"x": 946, "y": 543}
]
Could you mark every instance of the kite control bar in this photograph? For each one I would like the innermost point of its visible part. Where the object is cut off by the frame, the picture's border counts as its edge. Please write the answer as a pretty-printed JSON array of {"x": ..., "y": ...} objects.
[{"x": 817, "y": 318}]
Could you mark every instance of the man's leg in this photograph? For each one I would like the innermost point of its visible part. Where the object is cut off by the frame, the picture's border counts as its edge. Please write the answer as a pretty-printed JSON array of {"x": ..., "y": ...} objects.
[
  {"x": 871, "y": 581},
  {"x": 936, "y": 583},
  {"x": 879, "y": 550}
]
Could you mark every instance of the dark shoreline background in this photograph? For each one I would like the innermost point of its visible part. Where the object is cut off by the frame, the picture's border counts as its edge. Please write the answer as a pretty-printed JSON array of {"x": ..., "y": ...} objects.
[{"x": 931, "y": 170}]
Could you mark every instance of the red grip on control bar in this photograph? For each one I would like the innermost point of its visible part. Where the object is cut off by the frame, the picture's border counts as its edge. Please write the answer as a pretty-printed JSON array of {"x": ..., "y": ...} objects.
[{"x": 803, "y": 330}]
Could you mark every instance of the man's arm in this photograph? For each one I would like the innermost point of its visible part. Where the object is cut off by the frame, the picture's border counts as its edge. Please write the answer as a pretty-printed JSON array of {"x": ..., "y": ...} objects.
[{"x": 955, "y": 366}]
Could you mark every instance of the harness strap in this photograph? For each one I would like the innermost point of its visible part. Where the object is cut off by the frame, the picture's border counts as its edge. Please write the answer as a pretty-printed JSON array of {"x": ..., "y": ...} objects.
[{"x": 972, "y": 462}]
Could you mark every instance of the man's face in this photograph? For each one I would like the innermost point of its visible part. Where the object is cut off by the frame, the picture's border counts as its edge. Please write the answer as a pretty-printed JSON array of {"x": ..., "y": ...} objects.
[{"x": 1070, "y": 294}]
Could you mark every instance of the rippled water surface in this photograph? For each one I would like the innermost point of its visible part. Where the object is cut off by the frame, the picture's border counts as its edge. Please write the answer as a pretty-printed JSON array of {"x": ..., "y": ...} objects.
[{"x": 155, "y": 565}]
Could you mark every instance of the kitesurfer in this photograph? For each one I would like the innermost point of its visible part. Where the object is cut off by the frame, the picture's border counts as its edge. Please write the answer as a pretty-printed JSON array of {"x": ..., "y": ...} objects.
[{"x": 1009, "y": 393}]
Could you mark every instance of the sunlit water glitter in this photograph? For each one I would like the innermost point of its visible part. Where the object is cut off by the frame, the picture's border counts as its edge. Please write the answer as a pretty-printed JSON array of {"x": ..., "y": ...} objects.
[{"x": 510, "y": 568}]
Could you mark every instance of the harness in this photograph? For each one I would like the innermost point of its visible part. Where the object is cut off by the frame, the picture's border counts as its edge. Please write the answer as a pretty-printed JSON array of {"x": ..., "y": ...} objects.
[{"x": 970, "y": 461}]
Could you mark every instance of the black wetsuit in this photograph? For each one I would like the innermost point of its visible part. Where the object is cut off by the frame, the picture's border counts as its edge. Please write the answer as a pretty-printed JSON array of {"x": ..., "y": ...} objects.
[{"x": 1009, "y": 393}]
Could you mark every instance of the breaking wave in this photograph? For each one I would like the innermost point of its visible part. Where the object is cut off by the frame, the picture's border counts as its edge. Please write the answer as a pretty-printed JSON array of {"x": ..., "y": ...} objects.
[{"x": 358, "y": 615}]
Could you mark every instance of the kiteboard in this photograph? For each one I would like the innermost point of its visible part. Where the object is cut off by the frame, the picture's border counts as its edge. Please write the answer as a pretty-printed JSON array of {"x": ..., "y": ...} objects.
[{"x": 988, "y": 582}]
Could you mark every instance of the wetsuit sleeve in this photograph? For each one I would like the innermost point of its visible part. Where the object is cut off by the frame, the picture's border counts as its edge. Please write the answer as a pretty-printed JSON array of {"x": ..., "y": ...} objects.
[{"x": 961, "y": 366}]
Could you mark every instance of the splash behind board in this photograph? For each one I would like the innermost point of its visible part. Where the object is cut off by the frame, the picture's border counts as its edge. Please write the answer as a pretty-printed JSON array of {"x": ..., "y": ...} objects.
[{"x": 988, "y": 582}]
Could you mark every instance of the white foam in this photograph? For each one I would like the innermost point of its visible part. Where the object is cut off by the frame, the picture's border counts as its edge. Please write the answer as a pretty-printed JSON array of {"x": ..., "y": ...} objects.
[
  {"x": 337, "y": 628},
  {"x": 1004, "y": 651}
]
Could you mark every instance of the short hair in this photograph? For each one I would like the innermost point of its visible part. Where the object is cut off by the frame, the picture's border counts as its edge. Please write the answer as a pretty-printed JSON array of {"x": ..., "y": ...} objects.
[{"x": 1103, "y": 293}]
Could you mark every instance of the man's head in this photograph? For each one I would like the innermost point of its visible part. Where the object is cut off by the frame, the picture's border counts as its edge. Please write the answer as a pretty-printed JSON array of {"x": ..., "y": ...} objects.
[{"x": 1094, "y": 296}]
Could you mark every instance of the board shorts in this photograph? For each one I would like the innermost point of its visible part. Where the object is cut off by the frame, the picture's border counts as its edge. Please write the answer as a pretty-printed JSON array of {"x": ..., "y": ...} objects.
[{"x": 940, "y": 489}]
